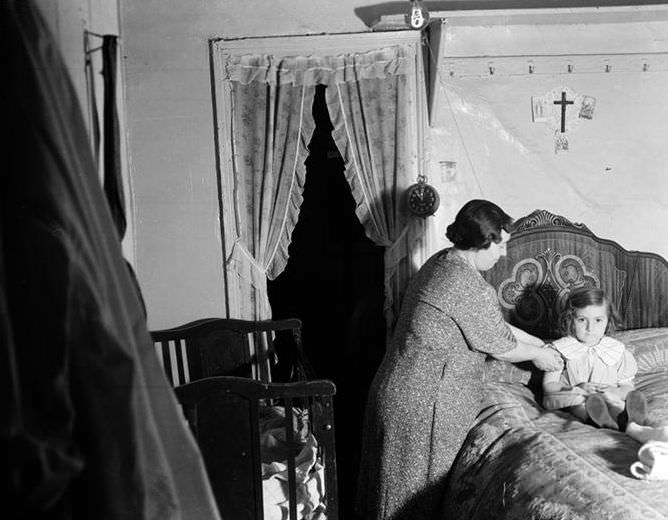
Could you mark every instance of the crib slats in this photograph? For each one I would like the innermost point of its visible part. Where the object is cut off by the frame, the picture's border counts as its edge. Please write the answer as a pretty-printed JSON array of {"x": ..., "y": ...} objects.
[
  {"x": 202, "y": 361},
  {"x": 292, "y": 450},
  {"x": 231, "y": 347},
  {"x": 158, "y": 350},
  {"x": 256, "y": 456},
  {"x": 180, "y": 357},
  {"x": 213, "y": 435},
  {"x": 173, "y": 356},
  {"x": 261, "y": 349},
  {"x": 324, "y": 424}
]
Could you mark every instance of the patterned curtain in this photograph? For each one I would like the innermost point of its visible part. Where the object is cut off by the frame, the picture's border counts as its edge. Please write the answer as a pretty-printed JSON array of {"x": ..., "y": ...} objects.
[
  {"x": 372, "y": 104},
  {"x": 271, "y": 128},
  {"x": 375, "y": 125}
]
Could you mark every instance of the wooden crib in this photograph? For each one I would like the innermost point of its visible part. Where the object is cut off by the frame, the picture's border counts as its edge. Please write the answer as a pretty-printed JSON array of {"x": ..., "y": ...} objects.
[{"x": 268, "y": 447}]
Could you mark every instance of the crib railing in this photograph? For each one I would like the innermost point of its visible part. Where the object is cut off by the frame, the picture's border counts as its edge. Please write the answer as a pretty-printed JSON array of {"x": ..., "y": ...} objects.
[
  {"x": 232, "y": 347},
  {"x": 224, "y": 414}
]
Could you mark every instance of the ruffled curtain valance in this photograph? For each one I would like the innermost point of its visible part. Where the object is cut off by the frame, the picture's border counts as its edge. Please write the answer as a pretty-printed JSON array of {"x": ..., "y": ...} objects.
[
  {"x": 324, "y": 70},
  {"x": 371, "y": 101}
]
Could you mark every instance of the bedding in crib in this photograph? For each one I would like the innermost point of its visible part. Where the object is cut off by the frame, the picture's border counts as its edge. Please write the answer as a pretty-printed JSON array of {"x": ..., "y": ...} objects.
[
  {"x": 262, "y": 465},
  {"x": 310, "y": 473}
]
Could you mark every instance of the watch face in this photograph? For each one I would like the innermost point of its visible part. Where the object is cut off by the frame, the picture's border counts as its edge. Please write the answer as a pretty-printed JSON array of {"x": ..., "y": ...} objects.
[{"x": 423, "y": 199}]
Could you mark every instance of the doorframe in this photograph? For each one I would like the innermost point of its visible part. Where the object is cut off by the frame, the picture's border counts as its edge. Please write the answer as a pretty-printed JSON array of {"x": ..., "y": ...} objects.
[{"x": 283, "y": 46}]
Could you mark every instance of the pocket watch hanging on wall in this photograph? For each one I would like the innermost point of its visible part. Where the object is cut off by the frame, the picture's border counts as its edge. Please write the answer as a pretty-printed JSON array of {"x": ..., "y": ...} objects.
[{"x": 423, "y": 199}]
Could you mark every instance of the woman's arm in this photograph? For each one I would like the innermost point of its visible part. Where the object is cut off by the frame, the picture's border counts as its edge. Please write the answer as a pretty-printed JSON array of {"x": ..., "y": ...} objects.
[
  {"x": 544, "y": 358},
  {"x": 525, "y": 337}
]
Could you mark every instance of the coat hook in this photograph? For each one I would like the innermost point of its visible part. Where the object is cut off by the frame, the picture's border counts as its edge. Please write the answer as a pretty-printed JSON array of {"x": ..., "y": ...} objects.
[
  {"x": 91, "y": 33},
  {"x": 645, "y": 66},
  {"x": 569, "y": 67},
  {"x": 531, "y": 68},
  {"x": 491, "y": 68}
]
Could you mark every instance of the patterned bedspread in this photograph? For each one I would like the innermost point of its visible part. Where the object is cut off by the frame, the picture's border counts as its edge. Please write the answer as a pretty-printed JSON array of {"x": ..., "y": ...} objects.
[{"x": 523, "y": 462}]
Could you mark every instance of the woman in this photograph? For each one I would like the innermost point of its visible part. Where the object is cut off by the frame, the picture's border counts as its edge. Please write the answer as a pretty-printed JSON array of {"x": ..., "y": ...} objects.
[{"x": 427, "y": 390}]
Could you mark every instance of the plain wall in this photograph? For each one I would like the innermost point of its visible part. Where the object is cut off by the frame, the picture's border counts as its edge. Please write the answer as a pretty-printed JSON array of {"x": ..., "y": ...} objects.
[
  {"x": 179, "y": 257},
  {"x": 67, "y": 20},
  {"x": 613, "y": 177}
]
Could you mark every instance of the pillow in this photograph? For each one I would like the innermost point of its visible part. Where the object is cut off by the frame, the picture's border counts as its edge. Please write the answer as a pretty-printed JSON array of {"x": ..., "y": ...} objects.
[{"x": 649, "y": 346}]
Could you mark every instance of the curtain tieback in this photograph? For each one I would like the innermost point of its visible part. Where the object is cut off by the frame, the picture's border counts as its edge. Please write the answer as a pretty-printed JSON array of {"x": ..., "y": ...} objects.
[
  {"x": 246, "y": 266},
  {"x": 395, "y": 251}
]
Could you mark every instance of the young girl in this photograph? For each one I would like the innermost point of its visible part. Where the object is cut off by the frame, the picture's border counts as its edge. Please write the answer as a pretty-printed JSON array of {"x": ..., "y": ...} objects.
[{"x": 597, "y": 380}]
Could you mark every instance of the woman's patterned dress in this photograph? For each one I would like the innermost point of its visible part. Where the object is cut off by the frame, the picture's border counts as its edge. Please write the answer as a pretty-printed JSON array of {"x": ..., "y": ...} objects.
[{"x": 428, "y": 388}]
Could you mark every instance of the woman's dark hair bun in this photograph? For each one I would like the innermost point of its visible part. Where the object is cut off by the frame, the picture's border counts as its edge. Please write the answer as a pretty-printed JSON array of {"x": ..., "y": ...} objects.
[
  {"x": 452, "y": 234},
  {"x": 477, "y": 225}
]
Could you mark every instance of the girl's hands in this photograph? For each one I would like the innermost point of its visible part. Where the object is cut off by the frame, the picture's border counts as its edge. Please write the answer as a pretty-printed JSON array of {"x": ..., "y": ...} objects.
[
  {"x": 612, "y": 397},
  {"x": 593, "y": 388}
]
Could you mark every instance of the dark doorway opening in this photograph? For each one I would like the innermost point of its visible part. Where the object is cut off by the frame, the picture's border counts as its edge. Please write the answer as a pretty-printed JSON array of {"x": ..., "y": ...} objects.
[{"x": 334, "y": 283}]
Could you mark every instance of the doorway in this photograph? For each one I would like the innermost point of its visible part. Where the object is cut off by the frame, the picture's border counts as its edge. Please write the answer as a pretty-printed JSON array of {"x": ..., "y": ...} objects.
[{"x": 334, "y": 283}]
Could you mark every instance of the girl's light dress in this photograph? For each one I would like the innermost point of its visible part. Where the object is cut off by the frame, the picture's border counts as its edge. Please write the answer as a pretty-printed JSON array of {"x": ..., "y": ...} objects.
[{"x": 607, "y": 362}]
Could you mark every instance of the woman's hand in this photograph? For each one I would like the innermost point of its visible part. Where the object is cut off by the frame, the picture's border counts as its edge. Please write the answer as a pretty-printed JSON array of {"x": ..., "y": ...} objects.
[
  {"x": 579, "y": 390},
  {"x": 548, "y": 360}
]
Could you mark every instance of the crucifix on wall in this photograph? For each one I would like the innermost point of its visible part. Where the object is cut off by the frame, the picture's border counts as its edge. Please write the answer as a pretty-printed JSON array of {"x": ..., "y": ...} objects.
[
  {"x": 563, "y": 102},
  {"x": 561, "y": 109}
]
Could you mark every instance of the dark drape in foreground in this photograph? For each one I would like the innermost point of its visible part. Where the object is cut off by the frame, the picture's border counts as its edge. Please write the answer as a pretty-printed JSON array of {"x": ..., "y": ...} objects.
[{"x": 90, "y": 427}]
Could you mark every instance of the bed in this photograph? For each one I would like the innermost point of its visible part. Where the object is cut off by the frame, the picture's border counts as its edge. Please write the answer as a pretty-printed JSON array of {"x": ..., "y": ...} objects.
[{"x": 521, "y": 461}]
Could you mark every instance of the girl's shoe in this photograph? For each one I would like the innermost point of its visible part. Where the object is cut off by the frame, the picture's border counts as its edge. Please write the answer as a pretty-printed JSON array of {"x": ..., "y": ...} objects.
[
  {"x": 636, "y": 407},
  {"x": 597, "y": 409}
]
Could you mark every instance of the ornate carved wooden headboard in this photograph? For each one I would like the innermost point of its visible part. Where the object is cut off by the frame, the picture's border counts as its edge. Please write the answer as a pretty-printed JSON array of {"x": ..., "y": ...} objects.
[{"x": 548, "y": 256}]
